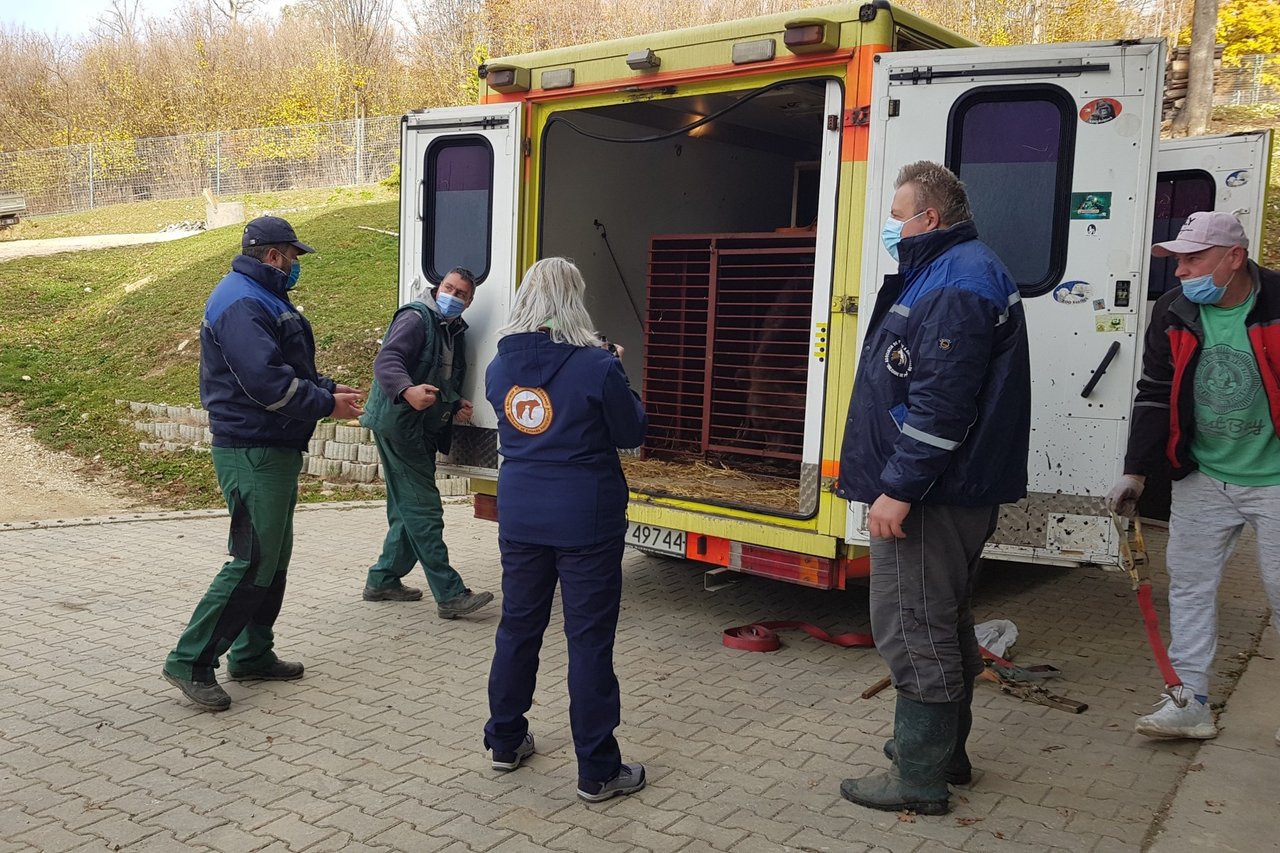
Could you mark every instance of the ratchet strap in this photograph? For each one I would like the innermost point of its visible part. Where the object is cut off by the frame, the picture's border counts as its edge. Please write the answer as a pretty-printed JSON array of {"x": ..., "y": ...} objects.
[{"x": 1133, "y": 558}]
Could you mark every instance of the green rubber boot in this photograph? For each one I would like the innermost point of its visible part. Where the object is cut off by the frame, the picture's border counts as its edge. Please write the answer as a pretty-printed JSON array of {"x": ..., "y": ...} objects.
[
  {"x": 959, "y": 770},
  {"x": 924, "y": 737}
]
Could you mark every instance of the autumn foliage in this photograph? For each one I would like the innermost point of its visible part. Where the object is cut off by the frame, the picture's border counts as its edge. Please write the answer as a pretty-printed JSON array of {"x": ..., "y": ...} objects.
[{"x": 221, "y": 64}]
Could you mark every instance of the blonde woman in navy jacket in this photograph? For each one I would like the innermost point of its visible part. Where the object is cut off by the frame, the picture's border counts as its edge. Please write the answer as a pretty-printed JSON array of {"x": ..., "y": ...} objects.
[{"x": 564, "y": 408}]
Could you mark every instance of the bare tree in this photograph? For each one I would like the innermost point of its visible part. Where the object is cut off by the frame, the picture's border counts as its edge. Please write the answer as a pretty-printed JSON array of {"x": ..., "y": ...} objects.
[
  {"x": 121, "y": 21},
  {"x": 235, "y": 10},
  {"x": 362, "y": 35},
  {"x": 1193, "y": 118}
]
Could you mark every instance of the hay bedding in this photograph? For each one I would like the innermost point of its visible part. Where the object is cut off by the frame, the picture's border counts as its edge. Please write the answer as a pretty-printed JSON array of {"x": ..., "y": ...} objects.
[{"x": 716, "y": 483}]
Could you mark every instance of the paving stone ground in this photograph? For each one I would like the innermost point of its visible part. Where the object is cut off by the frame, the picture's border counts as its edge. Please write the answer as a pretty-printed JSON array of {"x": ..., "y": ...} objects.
[{"x": 379, "y": 746}]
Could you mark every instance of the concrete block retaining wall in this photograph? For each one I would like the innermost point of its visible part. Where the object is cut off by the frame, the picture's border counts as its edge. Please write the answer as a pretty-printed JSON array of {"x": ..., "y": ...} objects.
[{"x": 337, "y": 452}]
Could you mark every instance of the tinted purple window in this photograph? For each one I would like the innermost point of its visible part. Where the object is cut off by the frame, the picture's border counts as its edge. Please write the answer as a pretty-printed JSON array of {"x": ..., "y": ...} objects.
[
  {"x": 463, "y": 167},
  {"x": 1009, "y": 154},
  {"x": 458, "y": 207},
  {"x": 1012, "y": 132},
  {"x": 1178, "y": 195}
]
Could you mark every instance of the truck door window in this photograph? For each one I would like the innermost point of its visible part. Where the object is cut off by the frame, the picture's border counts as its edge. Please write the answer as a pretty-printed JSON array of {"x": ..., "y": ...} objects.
[
  {"x": 1178, "y": 195},
  {"x": 1013, "y": 148},
  {"x": 458, "y": 207}
]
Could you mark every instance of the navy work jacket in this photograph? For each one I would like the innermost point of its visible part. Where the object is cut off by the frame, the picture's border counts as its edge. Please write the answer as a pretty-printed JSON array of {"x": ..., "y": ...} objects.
[
  {"x": 941, "y": 406},
  {"x": 563, "y": 411},
  {"x": 258, "y": 377}
]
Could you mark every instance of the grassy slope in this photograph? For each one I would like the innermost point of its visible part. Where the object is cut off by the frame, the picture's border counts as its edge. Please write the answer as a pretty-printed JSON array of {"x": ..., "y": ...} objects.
[{"x": 89, "y": 328}]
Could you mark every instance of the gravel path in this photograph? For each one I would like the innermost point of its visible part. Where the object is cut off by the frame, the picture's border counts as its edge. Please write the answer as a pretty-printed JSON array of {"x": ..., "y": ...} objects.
[
  {"x": 53, "y": 245},
  {"x": 37, "y": 483}
]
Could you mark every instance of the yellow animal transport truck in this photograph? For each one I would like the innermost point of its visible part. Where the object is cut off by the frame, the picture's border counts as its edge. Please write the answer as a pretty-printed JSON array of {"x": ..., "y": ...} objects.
[{"x": 722, "y": 190}]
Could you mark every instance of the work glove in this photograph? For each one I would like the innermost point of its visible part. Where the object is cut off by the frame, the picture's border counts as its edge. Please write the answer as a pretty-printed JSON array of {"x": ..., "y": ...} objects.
[{"x": 1123, "y": 497}]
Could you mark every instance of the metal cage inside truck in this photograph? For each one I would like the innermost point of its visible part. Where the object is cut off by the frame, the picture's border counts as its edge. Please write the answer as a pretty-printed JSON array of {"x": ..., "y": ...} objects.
[{"x": 721, "y": 189}]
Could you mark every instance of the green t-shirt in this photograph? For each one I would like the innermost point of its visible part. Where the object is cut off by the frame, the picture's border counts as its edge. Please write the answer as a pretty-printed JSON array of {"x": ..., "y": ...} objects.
[{"x": 1235, "y": 440}]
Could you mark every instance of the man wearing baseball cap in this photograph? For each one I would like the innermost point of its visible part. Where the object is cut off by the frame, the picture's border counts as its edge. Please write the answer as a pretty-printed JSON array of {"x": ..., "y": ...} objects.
[
  {"x": 1208, "y": 405},
  {"x": 260, "y": 386}
]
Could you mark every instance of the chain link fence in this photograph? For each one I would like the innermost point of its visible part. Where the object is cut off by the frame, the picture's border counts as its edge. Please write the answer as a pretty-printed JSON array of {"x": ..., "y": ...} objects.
[
  {"x": 1255, "y": 81},
  {"x": 229, "y": 162}
]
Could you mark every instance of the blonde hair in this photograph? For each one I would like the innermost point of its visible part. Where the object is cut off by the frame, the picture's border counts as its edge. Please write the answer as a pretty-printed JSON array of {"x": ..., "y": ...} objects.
[
  {"x": 937, "y": 187},
  {"x": 550, "y": 296}
]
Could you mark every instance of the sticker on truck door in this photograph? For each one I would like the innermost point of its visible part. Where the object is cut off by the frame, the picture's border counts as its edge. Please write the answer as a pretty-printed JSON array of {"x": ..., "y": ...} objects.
[
  {"x": 1100, "y": 111},
  {"x": 1095, "y": 205}
]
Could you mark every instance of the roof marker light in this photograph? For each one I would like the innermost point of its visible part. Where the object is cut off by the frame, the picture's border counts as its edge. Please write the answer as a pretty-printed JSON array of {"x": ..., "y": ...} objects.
[
  {"x": 561, "y": 78},
  {"x": 754, "y": 51}
]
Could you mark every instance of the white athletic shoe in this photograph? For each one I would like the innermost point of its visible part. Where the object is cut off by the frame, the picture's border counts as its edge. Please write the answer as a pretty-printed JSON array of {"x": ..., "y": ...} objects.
[{"x": 1180, "y": 715}]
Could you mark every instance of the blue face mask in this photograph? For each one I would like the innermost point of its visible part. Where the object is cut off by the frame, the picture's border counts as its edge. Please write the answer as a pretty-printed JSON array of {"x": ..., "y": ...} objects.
[
  {"x": 891, "y": 233},
  {"x": 294, "y": 272},
  {"x": 450, "y": 306},
  {"x": 1202, "y": 290}
]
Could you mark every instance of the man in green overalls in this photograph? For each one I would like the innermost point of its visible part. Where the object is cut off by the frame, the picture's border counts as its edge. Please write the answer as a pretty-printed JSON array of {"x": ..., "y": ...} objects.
[
  {"x": 415, "y": 400},
  {"x": 260, "y": 386}
]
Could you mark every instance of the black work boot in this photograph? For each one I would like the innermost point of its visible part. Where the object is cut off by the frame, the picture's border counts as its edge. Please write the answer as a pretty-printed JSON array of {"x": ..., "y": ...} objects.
[
  {"x": 959, "y": 770},
  {"x": 395, "y": 592},
  {"x": 209, "y": 695},
  {"x": 276, "y": 670},
  {"x": 461, "y": 605},
  {"x": 924, "y": 737}
]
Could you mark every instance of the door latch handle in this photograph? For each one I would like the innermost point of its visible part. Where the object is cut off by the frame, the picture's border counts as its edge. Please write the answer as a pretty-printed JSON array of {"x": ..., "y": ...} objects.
[{"x": 1101, "y": 368}]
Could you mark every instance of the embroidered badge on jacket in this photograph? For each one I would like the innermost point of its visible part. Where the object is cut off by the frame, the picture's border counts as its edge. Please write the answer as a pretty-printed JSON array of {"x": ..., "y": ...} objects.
[
  {"x": 528, "y": 409},
  {"x": 897, "y": 358}
]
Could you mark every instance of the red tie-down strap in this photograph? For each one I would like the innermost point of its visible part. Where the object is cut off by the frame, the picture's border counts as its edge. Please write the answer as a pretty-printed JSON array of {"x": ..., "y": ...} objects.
[
  {"x": 1133, "y": 559},
  {"x": 1158, "y": 650},
  {"x": 763, "y": 637}
]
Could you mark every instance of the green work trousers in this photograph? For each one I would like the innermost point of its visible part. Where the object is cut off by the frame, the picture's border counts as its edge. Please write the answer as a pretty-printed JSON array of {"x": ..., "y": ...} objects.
[
  {"x": 236, "y": 615},
  {"x": 415, "y": 521}
]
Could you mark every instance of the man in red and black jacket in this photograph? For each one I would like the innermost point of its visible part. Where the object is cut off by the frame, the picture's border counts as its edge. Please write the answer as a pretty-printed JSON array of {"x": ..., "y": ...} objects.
[{"x": 1208, "y": 406}]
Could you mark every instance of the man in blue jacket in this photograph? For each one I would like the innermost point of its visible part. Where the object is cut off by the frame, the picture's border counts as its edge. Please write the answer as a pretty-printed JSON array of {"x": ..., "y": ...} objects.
[
  {"x": 260, "y": 386},
  {"x": 936, "y": 440}
]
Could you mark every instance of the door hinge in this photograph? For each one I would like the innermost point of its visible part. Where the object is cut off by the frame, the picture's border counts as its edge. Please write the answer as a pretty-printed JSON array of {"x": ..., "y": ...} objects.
[
  {"x": 844, "y": 305},
  {"x": 527, "y": 146},
  {"x": 829, "y": 484},
  {"x": 895, "y": 107},
  {"x": 857, "y": 116}
]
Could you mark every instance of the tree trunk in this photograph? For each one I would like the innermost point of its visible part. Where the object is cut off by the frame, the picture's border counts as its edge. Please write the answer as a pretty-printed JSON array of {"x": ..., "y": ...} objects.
[{"x": 1193, "y": 118}]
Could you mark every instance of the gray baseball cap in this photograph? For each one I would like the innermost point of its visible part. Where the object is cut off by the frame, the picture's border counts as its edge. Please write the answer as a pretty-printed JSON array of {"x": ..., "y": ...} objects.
[{"x": 1204, "y": 230}]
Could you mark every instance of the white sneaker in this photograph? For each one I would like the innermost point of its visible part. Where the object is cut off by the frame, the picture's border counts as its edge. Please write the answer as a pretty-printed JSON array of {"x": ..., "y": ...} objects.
[{"x": 1180, "y": 715}]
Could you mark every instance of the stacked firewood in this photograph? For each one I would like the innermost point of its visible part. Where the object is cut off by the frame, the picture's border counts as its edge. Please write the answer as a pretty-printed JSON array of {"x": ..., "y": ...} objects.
[{"x": 1177, "y": 74}]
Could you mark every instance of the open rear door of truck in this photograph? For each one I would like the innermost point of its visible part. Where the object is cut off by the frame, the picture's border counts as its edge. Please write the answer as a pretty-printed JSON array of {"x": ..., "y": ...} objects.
[
  {"x": 459, "y": 207},
  {"x": 1056, "y": 144}
]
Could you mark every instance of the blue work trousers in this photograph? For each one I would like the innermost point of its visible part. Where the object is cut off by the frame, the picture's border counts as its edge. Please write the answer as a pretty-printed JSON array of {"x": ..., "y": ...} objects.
[{"x": 590, "y": 580}]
